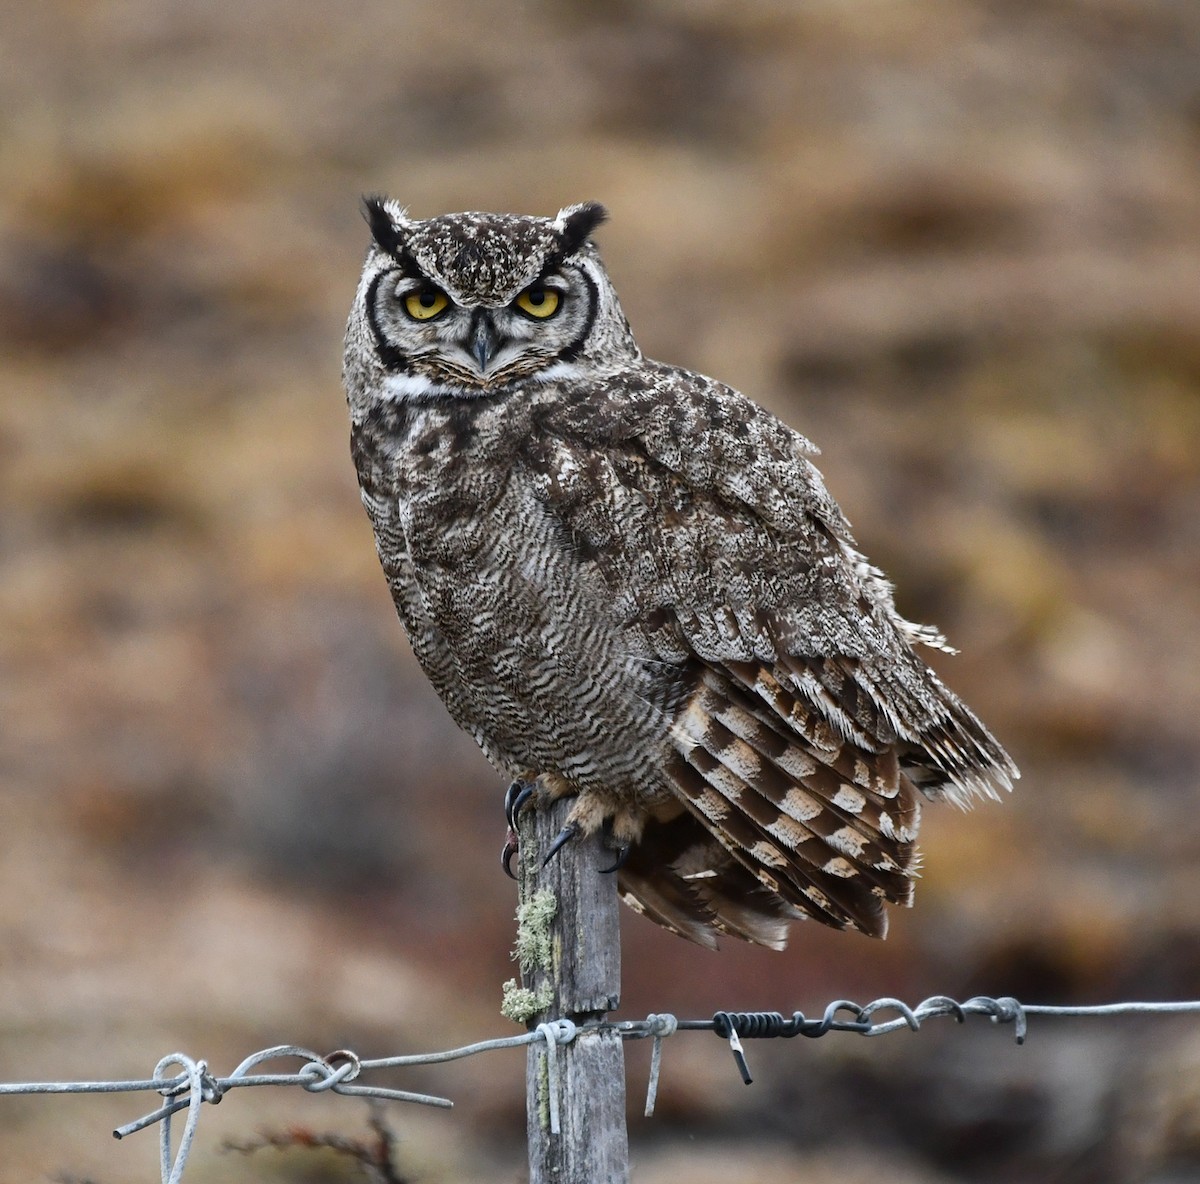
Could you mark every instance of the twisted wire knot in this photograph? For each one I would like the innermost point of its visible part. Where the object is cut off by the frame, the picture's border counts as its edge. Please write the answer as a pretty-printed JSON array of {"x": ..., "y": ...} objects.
[
  {"x": 660, "y": 1025},
  {"x": 1005, "y": 1010}
]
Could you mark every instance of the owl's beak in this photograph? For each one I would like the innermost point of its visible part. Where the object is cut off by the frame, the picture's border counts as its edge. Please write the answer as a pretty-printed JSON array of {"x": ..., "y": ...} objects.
[{"x": 484, "y": 342}]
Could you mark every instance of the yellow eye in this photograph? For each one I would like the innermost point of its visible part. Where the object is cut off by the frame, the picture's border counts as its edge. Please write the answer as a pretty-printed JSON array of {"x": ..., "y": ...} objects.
[
  {"x": 425, "y": 304},
  {"x": 538, "y": 302}
]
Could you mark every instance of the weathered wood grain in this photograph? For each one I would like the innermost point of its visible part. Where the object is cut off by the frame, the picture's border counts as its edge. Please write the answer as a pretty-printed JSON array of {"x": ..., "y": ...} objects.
[{"x": 584, "y": 974}]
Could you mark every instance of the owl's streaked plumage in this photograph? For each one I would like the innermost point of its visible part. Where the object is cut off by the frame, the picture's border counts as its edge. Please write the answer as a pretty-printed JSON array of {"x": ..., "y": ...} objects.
[{"x": 628, "y": 583}]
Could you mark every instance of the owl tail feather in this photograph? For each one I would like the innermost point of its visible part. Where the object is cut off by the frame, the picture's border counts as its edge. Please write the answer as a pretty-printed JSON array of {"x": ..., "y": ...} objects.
[
  {"x": 822, "y": 831},
  {"x": 679, "y": 876}
]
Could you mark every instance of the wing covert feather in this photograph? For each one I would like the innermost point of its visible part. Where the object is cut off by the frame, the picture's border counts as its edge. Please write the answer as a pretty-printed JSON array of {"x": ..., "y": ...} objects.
[{"x": 719, "y": 541}]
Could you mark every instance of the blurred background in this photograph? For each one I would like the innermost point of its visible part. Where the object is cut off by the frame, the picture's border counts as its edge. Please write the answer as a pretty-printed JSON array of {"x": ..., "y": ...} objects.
[{"x": 956, "y": 242}]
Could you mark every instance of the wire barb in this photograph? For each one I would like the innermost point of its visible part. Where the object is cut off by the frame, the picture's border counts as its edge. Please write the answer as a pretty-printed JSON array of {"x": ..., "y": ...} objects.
[
  {"x": 724, "y": 1025},
  {"x": 659, "y": 1026},
  {"x": 195, "y": 1085}
]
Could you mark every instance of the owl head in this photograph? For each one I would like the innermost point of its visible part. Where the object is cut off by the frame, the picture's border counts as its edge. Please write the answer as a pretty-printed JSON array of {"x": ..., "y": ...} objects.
[{"x": 464, "y": 305}]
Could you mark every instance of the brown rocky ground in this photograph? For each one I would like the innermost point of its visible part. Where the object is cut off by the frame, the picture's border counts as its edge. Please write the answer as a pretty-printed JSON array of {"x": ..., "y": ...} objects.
[{"x": 957, "y": 243}]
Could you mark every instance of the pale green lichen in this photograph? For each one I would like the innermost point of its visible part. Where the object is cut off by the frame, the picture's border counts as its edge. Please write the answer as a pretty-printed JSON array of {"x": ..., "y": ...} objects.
[
  {"x": 534, "y": 951},
  {"x": 520, "y": 1004}
]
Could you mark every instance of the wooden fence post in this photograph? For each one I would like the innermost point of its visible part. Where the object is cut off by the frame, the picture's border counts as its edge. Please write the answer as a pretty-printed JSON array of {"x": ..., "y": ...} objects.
[{"x": 574, "y": 909}]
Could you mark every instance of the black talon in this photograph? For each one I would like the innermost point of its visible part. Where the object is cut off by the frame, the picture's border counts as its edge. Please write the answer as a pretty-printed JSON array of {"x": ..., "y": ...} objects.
[
  {"x": 564, "y": 836},
  {"x": 515, "y": 797},
  {"x": 623, "y": 850},
  {"x": 509, "y": 849}
]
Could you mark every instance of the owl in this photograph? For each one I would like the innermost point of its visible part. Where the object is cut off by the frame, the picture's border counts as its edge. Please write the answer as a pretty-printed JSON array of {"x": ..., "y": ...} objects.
[{"x": 629, "y": 584}]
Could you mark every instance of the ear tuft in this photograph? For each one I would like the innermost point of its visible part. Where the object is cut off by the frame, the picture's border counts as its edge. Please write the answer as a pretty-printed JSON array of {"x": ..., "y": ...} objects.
[
  {"x": 577, "y": 222},
  {"x": 385, "y": 228}
]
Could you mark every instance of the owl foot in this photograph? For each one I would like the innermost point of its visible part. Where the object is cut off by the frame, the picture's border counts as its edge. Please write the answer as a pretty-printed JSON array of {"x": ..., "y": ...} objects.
[
  {"x": 617, "y": 837},
  {"x": 573, "y": 830},
  {"x": 515, "y": 797}
]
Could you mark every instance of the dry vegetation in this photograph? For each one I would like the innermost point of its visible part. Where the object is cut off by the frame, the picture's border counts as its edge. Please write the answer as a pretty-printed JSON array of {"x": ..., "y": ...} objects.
[{"x": 955, "y": 242}]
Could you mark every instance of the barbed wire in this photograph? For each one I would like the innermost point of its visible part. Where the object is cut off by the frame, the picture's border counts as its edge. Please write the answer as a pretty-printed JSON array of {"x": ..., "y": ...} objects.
[{"x": 194, "y": 1084}]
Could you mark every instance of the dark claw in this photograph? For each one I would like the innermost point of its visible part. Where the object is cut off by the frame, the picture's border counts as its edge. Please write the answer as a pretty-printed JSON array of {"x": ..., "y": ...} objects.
[
  {"x": 622, "y": 850},
  {"x": 563, "y": 837},
  {"x": 510, "y": 849},
  {"x": 515, "y": 797}
]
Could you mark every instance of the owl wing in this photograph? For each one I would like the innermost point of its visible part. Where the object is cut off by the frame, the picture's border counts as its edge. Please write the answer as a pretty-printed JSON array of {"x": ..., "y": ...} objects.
[{"x": 802, "y": 723}]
